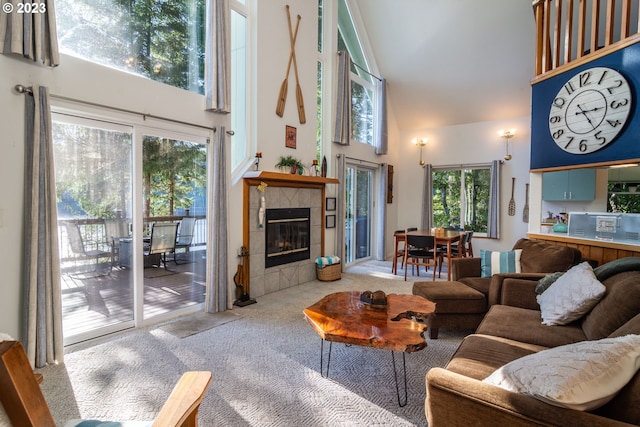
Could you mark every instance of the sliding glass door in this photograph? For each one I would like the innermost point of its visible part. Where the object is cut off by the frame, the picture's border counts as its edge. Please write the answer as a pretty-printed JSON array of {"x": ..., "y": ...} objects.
[
  {"x": 133, "y": 223},
  {"x": 94, "y": 170},
  {"x": 358, "y": 212}
]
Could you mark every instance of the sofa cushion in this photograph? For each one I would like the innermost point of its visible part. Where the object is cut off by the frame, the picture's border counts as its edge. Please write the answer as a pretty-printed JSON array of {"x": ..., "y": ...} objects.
[
  {"x": 521, "y": 324},
  {"x": 548, "y": 280},
  {"x": 478, "y": 356},
  {"x": 542, "y": 257},
  {"x": 619, "y": 305},
  {"x": 570, "y": 297},
  {"x": 581, "y": 376},
  {"x": 492, "y": 262},
  {"x": 480, "y": 284}
]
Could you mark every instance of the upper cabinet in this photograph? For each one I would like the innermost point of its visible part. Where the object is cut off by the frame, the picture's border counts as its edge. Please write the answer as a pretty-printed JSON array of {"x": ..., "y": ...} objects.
[{"x": 569, "y": 185}]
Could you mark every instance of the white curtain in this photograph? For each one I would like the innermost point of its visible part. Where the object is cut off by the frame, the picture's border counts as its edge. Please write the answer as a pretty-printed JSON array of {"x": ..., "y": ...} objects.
[
  {"x": 426, "y": 220},
  {"x": 493, "y": 229},
  {"x": 342, "y": 129},
  {"x": 218, "y": 63},
  {"x": 42, "y": 304},
  {"x": 382, "y": 136},
  {"x": 218, "y": 296},
  {"x": 31, "y": 35}
]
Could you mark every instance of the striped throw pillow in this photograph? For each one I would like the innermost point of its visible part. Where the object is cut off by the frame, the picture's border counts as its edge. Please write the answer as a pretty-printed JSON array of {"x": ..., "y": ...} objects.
[{"x": 499, "y": 262}]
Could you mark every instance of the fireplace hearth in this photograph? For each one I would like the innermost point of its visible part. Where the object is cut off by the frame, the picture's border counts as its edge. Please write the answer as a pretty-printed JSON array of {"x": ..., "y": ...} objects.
[{"x": 287, "y": 236}]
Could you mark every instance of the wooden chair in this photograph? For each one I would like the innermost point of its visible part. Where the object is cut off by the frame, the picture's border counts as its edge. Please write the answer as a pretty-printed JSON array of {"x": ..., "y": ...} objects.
[
  {"x": 26, "y": 406},
  {"x": 421, "y": 251},
  {"x": 458, "y": 250}
]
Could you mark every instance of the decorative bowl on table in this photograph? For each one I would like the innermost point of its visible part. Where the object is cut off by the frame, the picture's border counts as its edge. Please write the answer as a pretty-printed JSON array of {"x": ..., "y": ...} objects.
[
  {"x": 377, "y": 299},
  {"x": 560, "y": 227}
]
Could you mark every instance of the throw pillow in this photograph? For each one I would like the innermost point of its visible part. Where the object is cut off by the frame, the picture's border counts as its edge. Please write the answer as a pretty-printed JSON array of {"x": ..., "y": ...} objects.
[
  {"x": 546, "y": 281},
  {"x": 570, "y": 297},
  {"x": 581, "y": 376},
  {"x": 499, "y": 262}
]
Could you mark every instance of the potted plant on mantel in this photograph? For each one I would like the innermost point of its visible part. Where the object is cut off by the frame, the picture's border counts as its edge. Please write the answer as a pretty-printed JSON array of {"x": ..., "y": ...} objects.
[{"x": 288, "y": 164}]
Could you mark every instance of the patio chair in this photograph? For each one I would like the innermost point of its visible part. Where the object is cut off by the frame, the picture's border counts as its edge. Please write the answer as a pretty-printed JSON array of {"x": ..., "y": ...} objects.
[
  {"x": 78, "y": 248},
  {"x": 25, "y": 404},
  {"x": 162, "y": 242},
  {"x": 115, "y": 230},
  {"x": 185, "y": 236}
]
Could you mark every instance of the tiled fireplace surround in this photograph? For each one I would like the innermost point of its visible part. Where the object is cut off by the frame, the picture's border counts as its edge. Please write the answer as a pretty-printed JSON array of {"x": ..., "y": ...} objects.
[{"x": 282, "y": 191}]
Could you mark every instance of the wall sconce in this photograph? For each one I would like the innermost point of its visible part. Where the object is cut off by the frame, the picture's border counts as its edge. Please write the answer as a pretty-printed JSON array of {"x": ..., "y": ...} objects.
[
  {"x": 507, "y": 135},
  {"x": 421, "y": 142}
]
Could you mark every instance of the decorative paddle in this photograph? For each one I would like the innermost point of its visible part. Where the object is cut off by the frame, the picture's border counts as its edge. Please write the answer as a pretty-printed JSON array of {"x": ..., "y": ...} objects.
[
  {"x": 301, "y": 114},
  {"x": 282, "y": 96},
  {"x": 525, "y": 211},
  {"x": 512, "y": 202}
]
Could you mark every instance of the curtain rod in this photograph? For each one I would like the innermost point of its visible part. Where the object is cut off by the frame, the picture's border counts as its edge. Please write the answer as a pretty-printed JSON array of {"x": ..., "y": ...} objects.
[
  {"x": 28, "y": 90},
  {"x": 359, "y": 160},
  {"x": 364, "y": 69}
]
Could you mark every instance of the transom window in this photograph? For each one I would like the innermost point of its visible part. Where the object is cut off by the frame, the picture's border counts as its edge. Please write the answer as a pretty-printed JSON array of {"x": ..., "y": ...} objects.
[{"x": 163, "y": 40}]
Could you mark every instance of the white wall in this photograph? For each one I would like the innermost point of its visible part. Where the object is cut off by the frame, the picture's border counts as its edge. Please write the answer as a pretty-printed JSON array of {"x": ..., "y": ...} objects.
[{"x": 468, "y": 143}]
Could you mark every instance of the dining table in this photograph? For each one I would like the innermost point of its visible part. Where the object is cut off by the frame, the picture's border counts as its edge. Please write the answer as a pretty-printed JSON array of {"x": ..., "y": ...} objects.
[{"x": 442, "y": 236}]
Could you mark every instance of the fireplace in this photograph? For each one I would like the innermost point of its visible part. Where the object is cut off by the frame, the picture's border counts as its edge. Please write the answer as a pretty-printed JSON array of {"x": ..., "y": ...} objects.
[{"x": 287, "y": 236}]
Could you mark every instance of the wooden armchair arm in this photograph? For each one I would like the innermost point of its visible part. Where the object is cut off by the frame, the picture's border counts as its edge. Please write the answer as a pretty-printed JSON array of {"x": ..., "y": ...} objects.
[{"x": 181, "y": 408}]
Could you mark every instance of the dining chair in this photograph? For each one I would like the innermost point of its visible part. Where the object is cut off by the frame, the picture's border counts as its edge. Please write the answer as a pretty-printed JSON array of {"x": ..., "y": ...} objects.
[
  {"x": 469, "y": 248},
  {"x": 80, "y": 250},
  {"x": 26, "y": 406},
  {"x": 458, "y": 250},
  {"x": 421, "y": 251},
  {"x": 185, "y": 236},
  {"x": 163, "y": 241},
  {"x": 115, "y": 230},
  {"x": 399, "y": 239}
]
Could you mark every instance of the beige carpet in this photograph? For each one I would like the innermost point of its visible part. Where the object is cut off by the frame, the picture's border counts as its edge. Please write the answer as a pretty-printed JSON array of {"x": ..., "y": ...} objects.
[{"x": 265, "y": 366}]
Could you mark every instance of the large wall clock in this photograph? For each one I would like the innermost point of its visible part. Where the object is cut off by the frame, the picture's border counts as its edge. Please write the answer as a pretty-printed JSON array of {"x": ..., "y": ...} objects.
[{"x": 590, "y": 110}]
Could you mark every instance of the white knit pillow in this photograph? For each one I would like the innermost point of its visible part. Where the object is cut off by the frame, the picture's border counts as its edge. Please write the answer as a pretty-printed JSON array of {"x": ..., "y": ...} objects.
[
  {"x": 570, "y": 297},
  {"x": 581, "y": 376}
]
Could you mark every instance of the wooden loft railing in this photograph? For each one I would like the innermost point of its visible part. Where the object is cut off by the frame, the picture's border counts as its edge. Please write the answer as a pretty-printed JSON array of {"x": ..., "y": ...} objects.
[{"x": 573, "y": 32}]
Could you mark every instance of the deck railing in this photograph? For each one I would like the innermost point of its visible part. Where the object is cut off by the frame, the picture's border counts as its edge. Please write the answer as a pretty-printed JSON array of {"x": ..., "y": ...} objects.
[
  {"x": 94, "y": 235},
  {"x": 572, "y": 32}
]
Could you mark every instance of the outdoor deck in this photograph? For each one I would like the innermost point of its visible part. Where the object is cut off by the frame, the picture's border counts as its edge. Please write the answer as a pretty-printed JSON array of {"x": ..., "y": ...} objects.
[{"x": 103, "y": 298}]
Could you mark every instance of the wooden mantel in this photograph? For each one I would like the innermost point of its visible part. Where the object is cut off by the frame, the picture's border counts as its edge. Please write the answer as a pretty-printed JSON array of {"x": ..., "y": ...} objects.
[{"x": 289, "y": 179}]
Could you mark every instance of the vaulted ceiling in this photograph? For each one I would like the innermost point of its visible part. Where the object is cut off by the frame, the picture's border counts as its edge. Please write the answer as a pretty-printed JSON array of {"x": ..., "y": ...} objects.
[{"x": 450, "y": 62}]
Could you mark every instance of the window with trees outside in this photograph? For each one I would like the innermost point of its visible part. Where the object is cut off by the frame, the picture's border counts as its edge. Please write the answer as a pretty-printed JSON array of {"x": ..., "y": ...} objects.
[
  {"x": 461, "y": 198},
  {"x": 160, "y": 39},
  {"x": 363, "y": 91}
]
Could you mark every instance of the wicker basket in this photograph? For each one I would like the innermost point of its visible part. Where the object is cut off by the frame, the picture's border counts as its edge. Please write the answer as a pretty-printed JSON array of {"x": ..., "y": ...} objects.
[{"x": 329, "y": 273}]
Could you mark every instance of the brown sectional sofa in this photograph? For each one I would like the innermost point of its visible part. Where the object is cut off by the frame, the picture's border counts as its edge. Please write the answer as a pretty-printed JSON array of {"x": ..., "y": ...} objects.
[{"x": 456, "y": 395}]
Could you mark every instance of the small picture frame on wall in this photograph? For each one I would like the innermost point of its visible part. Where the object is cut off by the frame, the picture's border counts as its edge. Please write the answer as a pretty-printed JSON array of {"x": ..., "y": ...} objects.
[
  {"x": 331, "y": 204},
  {"x": 290, "y": 137},
  {"x": 330, "y": 221}
]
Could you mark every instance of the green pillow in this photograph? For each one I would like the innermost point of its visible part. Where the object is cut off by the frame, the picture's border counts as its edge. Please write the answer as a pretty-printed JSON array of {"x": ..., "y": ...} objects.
[
  {"x": 499, "y": 262},
  {"x": 547, "y": 281}
]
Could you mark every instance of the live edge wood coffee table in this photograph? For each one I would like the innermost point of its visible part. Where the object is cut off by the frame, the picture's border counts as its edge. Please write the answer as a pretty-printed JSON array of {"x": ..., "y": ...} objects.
[{"x": 342, "y": 317}]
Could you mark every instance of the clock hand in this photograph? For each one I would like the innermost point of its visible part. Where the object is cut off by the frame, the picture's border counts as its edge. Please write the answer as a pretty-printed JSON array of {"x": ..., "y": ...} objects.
[{"x": 583, "y": 112}]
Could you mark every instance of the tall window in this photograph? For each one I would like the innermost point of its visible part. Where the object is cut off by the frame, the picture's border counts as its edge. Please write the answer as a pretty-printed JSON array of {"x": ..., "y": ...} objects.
[
  {"x": 159, "y": 39},
  {"x": 320, "y": 79},
  {"x": 363, "y": 92},
  {"x": 239, "y": 83},
  {"x": 461, "y": 198}
]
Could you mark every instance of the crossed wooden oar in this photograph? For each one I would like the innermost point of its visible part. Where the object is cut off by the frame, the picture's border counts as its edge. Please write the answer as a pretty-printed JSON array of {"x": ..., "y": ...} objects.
[{"x": 282, "y": 98}]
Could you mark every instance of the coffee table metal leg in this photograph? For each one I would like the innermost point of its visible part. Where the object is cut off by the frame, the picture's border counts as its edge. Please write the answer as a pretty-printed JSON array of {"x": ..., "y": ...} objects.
[
  {"x": 395, "y": 375},
  {"x": 328, "y": 358}
]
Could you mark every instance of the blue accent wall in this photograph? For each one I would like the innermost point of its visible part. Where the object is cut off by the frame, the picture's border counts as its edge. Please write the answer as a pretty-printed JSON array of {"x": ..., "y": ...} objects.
[{"x": 544, "y": 151}]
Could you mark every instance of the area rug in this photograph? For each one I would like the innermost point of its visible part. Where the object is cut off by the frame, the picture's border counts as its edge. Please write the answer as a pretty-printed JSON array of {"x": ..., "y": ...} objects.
[
  {"x": 265, "y": 367},
  {"x": 200, "y": 322}
]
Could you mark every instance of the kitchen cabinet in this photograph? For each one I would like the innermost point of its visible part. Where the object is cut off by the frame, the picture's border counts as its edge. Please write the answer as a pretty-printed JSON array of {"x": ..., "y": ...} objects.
[{"x": 569, "y": 185}]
